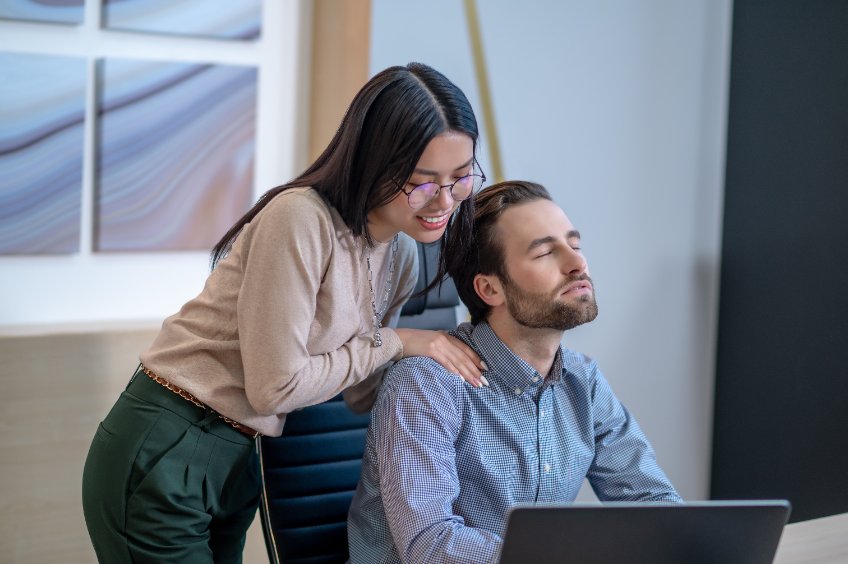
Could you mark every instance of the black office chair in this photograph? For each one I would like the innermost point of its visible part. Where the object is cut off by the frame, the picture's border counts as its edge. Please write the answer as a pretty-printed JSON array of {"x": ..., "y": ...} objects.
[{"x": 310, "y": 473}]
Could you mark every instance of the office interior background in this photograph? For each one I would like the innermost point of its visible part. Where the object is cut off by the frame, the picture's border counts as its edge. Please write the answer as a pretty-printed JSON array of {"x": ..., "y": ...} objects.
[{"x": 700, "y": 146}]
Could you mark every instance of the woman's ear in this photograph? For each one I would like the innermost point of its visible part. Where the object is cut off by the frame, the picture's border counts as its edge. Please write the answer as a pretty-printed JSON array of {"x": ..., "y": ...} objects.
[{"x": 489, "y": 289}]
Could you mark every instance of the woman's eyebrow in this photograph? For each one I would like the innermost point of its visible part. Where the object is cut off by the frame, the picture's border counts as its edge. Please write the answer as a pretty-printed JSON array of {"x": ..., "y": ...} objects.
[{"x": 428, "y": 172}]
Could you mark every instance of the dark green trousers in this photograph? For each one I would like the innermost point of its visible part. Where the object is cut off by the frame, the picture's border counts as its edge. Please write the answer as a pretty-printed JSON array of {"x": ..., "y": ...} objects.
[{"x": 167, "y": 481}]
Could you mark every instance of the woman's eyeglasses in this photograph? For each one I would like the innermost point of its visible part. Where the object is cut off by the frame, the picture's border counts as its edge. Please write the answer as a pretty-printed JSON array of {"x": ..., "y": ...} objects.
[{"x": 460, "y": 189}]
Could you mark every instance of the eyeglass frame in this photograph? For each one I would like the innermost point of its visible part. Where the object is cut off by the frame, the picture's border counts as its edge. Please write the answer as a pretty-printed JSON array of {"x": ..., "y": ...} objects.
[{"x": 474, "y": 164}]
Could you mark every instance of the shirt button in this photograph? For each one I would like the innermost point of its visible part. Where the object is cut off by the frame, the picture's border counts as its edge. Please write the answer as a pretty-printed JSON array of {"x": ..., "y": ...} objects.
[
  {"x": 534, "y": 379},
  {"x": 542, "y": 413},
  {"x": 547, "y": 467},
  {"x": 518, "y": 391}
]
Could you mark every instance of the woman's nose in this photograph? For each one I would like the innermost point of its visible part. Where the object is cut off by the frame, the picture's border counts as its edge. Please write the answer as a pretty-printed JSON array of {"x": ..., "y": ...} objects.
[{"x": 444, "y": 200}]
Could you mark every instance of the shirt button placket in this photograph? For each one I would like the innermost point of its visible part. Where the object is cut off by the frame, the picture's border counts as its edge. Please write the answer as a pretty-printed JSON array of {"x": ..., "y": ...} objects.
[{"x": 546, "y": 479}]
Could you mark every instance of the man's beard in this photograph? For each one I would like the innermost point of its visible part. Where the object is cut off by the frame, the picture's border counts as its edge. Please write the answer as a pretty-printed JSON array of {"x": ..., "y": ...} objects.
[{"x": 546, "y": 311}]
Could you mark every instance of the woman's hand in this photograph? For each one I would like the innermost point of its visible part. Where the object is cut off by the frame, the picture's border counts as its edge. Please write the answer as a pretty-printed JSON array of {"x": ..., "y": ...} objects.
[{"x": 450, "y": 352}]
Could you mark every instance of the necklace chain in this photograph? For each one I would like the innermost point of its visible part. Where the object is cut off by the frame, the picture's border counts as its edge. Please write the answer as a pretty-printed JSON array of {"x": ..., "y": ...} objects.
[{"x": 377, "y": 339}]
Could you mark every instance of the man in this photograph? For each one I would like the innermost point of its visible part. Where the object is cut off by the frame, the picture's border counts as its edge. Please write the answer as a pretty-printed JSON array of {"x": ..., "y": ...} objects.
[{"x": 444, "y": 460}]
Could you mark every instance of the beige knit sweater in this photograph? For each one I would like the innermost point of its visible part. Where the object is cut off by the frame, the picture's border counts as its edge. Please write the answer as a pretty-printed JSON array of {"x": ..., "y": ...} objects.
[{"x": 285, "y": 320}]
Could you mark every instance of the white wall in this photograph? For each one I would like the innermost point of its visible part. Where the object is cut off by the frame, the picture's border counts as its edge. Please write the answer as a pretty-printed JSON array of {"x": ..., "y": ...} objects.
[
  {"x": 92, "y": 287},
  {"x": 618, "y": 107}
]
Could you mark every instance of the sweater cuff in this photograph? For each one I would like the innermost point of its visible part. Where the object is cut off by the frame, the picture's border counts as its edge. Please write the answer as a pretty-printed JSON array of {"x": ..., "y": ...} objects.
[{"x": 393, "y": 342}]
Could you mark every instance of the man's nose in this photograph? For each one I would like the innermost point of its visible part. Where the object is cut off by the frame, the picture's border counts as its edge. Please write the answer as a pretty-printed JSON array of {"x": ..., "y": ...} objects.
[{"x": 574, "y": 262}]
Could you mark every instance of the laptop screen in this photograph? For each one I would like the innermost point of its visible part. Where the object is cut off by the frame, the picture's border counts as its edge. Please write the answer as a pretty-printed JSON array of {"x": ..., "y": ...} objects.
[{"x": 726, "y": 532}]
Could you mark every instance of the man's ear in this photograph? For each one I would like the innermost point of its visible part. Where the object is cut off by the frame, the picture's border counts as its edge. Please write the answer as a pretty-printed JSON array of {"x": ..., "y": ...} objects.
[{"x": 489, "y": 289}]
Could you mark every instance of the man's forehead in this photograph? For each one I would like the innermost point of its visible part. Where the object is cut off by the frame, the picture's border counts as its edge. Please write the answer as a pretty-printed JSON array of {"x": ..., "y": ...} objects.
[{"x": 524, "y": 223}]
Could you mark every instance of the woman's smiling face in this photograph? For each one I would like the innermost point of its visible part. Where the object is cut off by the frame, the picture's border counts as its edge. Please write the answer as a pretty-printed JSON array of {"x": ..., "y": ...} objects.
[{"x": 446, "y": 158}]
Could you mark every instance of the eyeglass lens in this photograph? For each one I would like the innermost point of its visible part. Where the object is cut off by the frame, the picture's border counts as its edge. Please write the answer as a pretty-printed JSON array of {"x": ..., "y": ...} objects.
[{"x": 423, "y": 194}]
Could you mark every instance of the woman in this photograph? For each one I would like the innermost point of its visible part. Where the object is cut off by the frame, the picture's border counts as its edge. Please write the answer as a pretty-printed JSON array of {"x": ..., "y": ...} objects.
[{"x": 292, "y": 313}]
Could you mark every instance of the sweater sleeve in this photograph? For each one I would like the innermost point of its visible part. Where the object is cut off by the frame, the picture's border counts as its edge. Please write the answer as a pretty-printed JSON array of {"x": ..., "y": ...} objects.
[
  {"x": 361, "y": 397},
  {"x": 284, "y": 261}
]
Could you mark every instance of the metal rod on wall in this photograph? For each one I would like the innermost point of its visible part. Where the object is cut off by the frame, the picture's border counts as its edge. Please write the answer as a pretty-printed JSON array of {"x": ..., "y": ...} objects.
[{"x": 483, "y": 86}]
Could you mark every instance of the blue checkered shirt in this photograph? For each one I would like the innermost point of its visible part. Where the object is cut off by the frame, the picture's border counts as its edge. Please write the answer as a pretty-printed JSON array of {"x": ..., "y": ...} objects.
[{"x": 444, "y": 460}]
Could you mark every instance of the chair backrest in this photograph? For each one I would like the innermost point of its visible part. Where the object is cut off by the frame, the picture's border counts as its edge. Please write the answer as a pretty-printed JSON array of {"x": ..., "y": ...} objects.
[{"x": 310, "y": 473}]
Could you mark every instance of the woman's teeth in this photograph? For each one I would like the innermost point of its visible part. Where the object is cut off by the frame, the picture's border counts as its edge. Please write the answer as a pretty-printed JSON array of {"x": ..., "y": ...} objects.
[{"x": 438, "y": 219}]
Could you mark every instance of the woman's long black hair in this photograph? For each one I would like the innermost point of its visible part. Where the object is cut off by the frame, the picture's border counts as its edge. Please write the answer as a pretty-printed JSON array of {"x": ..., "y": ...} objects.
[{"x": 383, "y": 134}]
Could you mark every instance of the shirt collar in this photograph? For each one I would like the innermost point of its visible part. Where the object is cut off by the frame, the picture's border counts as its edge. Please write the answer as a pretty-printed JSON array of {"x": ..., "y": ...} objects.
[{"x": 507, "y": 367}]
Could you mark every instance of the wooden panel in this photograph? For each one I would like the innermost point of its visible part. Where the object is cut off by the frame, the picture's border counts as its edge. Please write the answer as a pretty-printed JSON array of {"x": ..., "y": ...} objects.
[{"x": 340, "y": 42}]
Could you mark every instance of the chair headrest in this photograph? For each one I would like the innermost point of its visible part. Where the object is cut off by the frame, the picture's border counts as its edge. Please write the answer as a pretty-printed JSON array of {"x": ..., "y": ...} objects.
[{"x": 439, "y": 297}]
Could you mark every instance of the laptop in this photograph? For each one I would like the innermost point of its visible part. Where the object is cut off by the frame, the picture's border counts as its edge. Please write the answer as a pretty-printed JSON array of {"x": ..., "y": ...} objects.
[{"x": 724, "y": 532}]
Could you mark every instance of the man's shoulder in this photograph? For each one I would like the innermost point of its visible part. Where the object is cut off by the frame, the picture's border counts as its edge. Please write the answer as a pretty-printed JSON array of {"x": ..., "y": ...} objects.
[
  {"x": 421, "y": 373},
  {"x": 579, "y": 365}
]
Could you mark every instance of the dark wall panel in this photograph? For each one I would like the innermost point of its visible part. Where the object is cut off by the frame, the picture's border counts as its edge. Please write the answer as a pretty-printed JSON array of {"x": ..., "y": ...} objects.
[{"x": 781, "y": 406}]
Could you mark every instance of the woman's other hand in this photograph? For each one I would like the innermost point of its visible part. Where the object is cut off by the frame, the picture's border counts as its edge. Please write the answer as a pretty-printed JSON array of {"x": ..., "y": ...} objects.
[{"x": 450, "y": 352}]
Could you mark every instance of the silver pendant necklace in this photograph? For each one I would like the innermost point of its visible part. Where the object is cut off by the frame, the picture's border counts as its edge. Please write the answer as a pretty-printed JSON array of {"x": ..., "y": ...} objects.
[{"x": 377, "y": 339}]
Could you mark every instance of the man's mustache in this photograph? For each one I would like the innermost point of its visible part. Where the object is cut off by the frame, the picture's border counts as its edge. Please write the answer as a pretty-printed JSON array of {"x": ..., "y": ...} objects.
[{"x": 572, "y": 279}]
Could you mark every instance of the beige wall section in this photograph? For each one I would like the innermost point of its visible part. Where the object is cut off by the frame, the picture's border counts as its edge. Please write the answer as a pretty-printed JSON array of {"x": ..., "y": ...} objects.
[
  {"x": 56, "y": 389},
  {"x": 340, "y": 42}
]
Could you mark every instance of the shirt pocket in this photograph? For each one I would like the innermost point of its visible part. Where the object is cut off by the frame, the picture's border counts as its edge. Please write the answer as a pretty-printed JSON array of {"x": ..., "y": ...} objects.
[
  {"x": 570, "y": 474},
  {"x": 578, "y": 463},
  {"x": 490, "y": 484},
  {"x": 498, "y": 477}
]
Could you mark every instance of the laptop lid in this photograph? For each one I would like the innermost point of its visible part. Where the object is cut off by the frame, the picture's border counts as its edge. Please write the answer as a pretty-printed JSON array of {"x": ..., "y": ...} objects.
[{"x": 727, "y": 532}]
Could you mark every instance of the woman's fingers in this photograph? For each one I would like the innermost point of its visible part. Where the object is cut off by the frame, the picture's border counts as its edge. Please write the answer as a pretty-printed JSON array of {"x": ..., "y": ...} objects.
[
  {"x": 454, "y": 355},
  {"x": 466, "y": 362}
]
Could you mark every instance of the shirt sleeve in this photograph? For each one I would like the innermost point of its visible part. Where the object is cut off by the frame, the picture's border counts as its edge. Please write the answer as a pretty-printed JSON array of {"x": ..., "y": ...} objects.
[
  {"x": 417, "y": 418},
  {"x": 624, "y": 467},
  {"x": 361, "y": 397},
  {"x": 286, "y": 256}
]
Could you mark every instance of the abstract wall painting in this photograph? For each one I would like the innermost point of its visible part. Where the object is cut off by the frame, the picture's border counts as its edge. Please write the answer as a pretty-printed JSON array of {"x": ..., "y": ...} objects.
[
  {"x": 219, "y": 19},
  {"x": 44, "y": 11},
  {"x": 175, "y": 153},
  {"x": 42, "y": 106}
]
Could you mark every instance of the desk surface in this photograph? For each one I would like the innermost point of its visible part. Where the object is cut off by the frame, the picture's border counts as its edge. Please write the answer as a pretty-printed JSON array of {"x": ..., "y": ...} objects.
[{"x": 818, "y": 541}]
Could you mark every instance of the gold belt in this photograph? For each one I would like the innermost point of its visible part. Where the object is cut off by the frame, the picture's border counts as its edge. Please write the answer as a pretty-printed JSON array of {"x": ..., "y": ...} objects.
[{"x": 187, "y": 396}]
